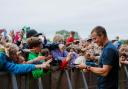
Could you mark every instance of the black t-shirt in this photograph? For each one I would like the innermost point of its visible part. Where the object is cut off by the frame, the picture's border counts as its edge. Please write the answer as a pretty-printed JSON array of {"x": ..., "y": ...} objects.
[{"x": 110, "y": 56}]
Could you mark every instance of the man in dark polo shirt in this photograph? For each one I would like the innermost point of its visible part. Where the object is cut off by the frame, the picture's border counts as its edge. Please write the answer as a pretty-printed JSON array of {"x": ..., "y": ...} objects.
[{"x": 107, "y": 70}]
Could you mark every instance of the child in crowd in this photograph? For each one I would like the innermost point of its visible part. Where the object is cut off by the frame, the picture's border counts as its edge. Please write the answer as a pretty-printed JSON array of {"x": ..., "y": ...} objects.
[{"x": 35, "y": 45}]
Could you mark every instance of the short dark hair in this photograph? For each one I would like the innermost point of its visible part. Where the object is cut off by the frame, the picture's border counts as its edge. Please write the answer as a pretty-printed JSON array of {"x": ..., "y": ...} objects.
[
  {"x": 72, "y": 32},
  {"x": 34, "y": 42},
  {"x": 99, "y": 31}
]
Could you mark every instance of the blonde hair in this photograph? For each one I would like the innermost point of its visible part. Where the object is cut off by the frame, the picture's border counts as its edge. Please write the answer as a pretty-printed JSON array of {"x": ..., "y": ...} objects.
[
  {"x": 58, "y": 38},
  {"x": 11, "y": 50}
]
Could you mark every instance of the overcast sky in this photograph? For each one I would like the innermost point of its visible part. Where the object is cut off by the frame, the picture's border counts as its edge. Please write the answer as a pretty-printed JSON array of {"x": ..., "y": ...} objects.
[{"x": 49, "y": 16}]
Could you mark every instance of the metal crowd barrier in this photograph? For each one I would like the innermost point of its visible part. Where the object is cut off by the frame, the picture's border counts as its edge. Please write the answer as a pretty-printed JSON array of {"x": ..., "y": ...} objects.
[
  {"x": 62, "y": 79},
  {"x": 126, "y": 71},
  {"x": 14, "y": 81}
]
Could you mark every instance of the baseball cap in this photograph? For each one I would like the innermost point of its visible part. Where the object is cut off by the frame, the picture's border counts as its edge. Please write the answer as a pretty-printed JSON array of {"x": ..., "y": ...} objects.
[{"x": 33, "y": 33}]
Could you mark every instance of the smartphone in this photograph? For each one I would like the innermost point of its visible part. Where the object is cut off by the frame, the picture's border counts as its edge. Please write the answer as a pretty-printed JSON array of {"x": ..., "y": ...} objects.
[
  {"x": 75, "y": 64},
  {"x": 5, "y": 34}
]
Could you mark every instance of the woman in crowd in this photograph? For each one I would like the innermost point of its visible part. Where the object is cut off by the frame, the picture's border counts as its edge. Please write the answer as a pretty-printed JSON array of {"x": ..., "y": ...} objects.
[{"x": 10, "y": 55}]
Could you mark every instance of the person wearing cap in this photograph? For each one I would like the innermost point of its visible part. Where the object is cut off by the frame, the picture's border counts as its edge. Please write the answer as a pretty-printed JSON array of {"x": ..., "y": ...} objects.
[
  {"x": 21, "y": 41},
  {"x": 34, "y": 33}
]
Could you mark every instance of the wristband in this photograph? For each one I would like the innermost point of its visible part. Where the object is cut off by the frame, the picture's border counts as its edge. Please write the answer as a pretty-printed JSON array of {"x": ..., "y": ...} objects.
[{"x": 88, "y": 68}]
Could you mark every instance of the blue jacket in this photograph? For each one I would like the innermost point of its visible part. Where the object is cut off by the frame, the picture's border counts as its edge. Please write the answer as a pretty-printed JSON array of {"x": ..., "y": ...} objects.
[{"x": 7, "y": 65}]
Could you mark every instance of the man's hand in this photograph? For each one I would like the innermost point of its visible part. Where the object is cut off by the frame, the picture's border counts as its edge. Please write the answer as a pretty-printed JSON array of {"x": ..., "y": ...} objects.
[{"x": 83, "y": 66}]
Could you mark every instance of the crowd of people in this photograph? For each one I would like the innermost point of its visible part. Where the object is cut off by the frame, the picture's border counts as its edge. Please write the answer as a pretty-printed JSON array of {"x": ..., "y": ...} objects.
[{"x": 22, "y": 52}]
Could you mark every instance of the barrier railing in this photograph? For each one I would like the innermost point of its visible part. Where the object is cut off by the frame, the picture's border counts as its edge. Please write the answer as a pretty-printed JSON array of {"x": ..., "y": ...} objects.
[
  {"x": 14, "y": 81},
  {"x": 126, "y": 71},
  {"x": 65, "y": 79}
]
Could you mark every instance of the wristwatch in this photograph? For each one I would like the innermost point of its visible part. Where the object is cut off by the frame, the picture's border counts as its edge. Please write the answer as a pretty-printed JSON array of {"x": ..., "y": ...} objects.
[{"x": 88, "y": 68}]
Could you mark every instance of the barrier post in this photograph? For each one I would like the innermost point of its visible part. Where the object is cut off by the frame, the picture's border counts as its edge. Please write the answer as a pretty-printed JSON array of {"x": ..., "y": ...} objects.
[
  {"x": 27, "y": 81},
  {"x": 84, "y": 80},
  {"x": 68, "y": 79},
  {"x": 126, "y": 71},
  {"x": 40, "y": 85},
  {"x": 14, "y": 81}
]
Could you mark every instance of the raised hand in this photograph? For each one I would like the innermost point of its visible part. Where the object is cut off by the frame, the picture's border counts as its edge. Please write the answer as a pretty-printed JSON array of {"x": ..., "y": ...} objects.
[{"x": 46, "y": 64}]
